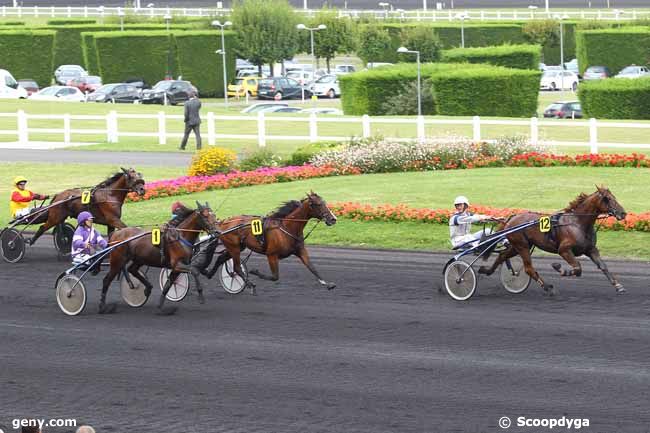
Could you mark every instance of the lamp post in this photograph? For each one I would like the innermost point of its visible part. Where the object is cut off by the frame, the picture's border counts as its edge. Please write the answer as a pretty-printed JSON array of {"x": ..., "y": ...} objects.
[
  {"x": 151, "y": 11},
  {"x": 561, "y": 18},
  {"x": 385, "y": 6},
  {"x": 313, "y": 56},
  {"x": 462, "y": 18},
  {"x": 120, "y": 13},
  {"x": 405, "y": 50},
  {"x": 100, "y": 9},
  {"x": 532, "y": 9},
  {"x": 222, "y": 51}
]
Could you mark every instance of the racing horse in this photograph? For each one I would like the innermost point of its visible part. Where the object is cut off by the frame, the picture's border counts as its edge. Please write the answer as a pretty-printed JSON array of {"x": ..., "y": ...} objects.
[
  {"x": 572, "y": 234},
  {"x": 282, "y": 237},
  {"x": 105, "y": 204},
  {"x": 174, "y": 251}
]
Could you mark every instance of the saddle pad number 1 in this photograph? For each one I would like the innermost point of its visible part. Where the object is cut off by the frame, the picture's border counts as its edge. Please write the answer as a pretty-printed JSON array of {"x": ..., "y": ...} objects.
[
  {"x": 256, "y": 227},
  {"x": 155, "y": 236},
  {"x": 545, "y": 224},
  {"x": 85, "y": 197}
]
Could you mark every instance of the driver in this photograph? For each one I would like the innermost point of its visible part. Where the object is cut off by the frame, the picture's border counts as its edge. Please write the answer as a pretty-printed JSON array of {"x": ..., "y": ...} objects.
[
  {"x": 86, "y": 240},
  {"x": 460, "y": 224},
  {"x": 21, "y": 197}
]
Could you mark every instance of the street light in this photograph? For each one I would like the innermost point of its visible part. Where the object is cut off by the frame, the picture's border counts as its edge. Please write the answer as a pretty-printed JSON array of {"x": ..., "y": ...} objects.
[
  {"x": 532, "y": 9},
  {"x": 560, "y": 18},
  {"x": 100, "y": 9},
  {"x": 462, "y": 18},
  {"x": 313, "y": 56},
  {"x": 385, "y": 6},
  {"x": 120, "y": 13},
  {"x": 404, "y": 50},
  {"x": 222, "y": 51},
  {"x": 151, "y": 11}
]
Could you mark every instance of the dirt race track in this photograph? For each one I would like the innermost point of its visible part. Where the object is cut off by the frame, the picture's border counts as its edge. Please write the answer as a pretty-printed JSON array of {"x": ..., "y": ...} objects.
[{"x": 384, "y": 352}]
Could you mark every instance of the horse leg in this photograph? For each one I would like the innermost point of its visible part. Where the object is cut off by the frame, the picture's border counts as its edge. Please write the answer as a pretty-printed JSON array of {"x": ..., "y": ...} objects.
[
  {"x": 594, "y": 255},
  {"x": 106, "y": 282},
  {"x": 196, "y": 273},
  {"x": 530, "y": 270},
  {"x": 303, "y": 255},
  {"x": 42, "y": 229},
  {"x": 566, "y": 253},
  {"x": 223, "y": 258},
  {"x": 273, "y": 265},
  {"x": 134, "y": 270},
  {"x": 168, "y": 284},
  {"x": 502, "y": 257}
]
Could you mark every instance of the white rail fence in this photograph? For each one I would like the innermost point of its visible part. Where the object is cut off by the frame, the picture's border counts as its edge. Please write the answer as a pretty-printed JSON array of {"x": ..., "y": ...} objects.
[
  {"x": 113, "y": 132},
  {"x": 397, "y": 14}
]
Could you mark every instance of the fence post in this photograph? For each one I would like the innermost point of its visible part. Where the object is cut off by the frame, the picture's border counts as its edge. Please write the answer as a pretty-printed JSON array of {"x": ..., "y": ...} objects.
[
  {"x": 162, "y": 128},
  {"x": 52, "y": 14},
  {"x": 23, "y": 131},
  {"x": 85, "y": 11},
  {"x": 365, "y": 125},
  {"x": 261, "y": 130},
  {"x": 211, "y": 133},
  {"x": 419, "y": 121},
  {"x": 4, "y": 11},
  {"x": 66, "y": 128},
  {"x": 593, "y": 136},
  {"x": 476, "y": 128},
  {"x": 313, "y": 128},
  {"x": 69, "y": 11},
  {"x": 534, "y": 131},
  {"x": 36, "y": 11},
  {"x": 482, "y": 15},
  {"x": 111, "y": 127}
]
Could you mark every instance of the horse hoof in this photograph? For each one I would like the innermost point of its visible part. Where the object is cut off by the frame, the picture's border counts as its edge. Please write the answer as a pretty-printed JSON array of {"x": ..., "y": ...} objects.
[
  {"x": 201, "y": 299},
  {"x": 166, "y": 311},
  {"x": 620, "y": 289},
  {"x": 331, "y": 286},
  {"x": 557, "y": 267},
  {"x": 553, "y": 292},
  {"x": 483, "y": 270},
  {"x": 547, "y": 287},
  {"x": 107, "y": 308}
]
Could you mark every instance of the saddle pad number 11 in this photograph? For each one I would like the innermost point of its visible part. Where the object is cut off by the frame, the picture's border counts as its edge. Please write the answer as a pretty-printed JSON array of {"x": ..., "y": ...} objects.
[
  {"x": 545, "y": 224},
  {"x": 256, "y": 227},
  {"x": 155, "y": 236},
  {"x": 85, "y": 197}
]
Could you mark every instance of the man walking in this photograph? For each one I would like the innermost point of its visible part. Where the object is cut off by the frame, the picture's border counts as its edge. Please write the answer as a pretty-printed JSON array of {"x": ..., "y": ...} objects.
[{"x": 192, "y": 121}]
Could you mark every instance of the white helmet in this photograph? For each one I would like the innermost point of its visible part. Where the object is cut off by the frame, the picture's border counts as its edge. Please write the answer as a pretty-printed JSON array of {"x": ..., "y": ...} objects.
[{"x": 461, "y": 199}]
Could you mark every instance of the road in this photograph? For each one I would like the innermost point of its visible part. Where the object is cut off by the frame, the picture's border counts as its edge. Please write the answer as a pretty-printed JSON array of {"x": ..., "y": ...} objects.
[
  {"x": 133, "y": 159},
  {"x": 383, "y": 352}
]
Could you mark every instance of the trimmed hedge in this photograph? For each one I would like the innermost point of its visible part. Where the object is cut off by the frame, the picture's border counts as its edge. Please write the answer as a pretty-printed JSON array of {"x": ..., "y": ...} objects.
[
  {"x": 614, "y": 48},
  {"x": 70, "y": 21},
  {"x": 198, "y": 62},
  {"x": 511, "y": 56},
  {"x": 616, "y": 98},
  {"x": 89, "y": 51},
  {"x": 12, "y": 23},
  {"x": 28, "y": 54}
]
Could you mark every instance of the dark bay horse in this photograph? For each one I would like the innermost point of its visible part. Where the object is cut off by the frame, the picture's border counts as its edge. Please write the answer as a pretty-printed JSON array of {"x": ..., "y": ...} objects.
[
  {"x": 105, "y": 204},
  {"x": 572, "y": 235},
  {"x": 282, "y": 237},
  {"x": 174, "y": 252}
]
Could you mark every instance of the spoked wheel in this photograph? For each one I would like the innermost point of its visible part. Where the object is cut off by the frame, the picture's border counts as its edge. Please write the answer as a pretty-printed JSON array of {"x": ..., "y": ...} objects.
[
  {"x": 133, "y": 293},
  {"x": 513, "y": 275},
  {"x": 12, "y": 245},
  {"x": 70, "y": 294},
  {"x": 229, "y": 279},
  {"x": 63, "y": 234},
  {"x": 460, "y": 280},
  {"x": 179, "y": 288}
]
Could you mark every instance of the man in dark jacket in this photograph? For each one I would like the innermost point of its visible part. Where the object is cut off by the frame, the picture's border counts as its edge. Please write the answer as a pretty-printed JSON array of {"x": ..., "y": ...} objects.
[{"x": 192, "y": 121}]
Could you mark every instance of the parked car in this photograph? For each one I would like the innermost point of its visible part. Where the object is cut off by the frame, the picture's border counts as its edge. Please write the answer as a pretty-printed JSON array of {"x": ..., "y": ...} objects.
[
  {"x": 303, "y": 77},
  {"x": 115, "y": 93},
  {"x": 9, "y": 88},
  {"x": 65, "y": 73},
  {"x": 280, "y": 88},
  {"x": 172, "y": 91},
  {"x": 572, "y": 66},
  {"x": 280, "y": 109},
  {"x": 262, "y": 106},
  {"x": 633, "y": 71},
  {"x": 323, "y": 110},
  {"x": 241, "y": 86},
  {"x": 552, "y": 67},
  {"x": 564, "y": 110},
  {"x": 375, "y": 65},
  {"x": 327, "y": 85},
  {"x": 559, "y": 80},
  {"x": 138, "y": 82},
  {"x": 28, "y": 84},
  {"x": 59, "y": 93},
  {"x": 243, "y": 73},
  {"x": 596, "y": 73},
  {"x": 87, "y": 84},
  {"x": 344, "y": 69}
]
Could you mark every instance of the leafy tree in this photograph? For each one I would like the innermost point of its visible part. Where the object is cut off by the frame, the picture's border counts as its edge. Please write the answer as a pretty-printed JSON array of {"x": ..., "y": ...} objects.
[
  {"x": 542, "y": 32},
  {"x": 337, "y": 38},
  {"x": 372, "y": 43},
  {"x": 424, "y": 40}
]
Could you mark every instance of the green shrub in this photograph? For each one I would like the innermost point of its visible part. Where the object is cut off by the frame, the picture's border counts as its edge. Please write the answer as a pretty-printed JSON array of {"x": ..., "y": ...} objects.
[
  {"x": 421, "y": 39},
  {"x": 28, "y": 54},
  {"x": 614, "y": 48},
  {"x": 12, "y": 23},
  {"x": 405, "y": 101},
  {"x": 70, "y": 21},
  {"x": 89, "y": 50},
  {"x": 260, "y": 158},
  {"x": 511, "y": 56},
  {"x": 616, "y": 98},
  {"x": 304, "y": 154}
]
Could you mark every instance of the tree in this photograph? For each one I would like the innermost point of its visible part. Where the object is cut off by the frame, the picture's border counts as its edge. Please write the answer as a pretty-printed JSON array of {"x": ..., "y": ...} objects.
[
  {"x": 337, "y": 38},
  {"x": 542, "y": 32},
  {"x": 266, "y": 31},
  {"x": 373, "y": 42},
  {"x": 424, "y": 40}
]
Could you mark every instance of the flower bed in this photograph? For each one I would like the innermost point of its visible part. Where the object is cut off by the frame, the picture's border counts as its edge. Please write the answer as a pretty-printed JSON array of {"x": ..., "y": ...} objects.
[
  {"x": 534, "y": 159},
  {"x": 401, "y": 212}
]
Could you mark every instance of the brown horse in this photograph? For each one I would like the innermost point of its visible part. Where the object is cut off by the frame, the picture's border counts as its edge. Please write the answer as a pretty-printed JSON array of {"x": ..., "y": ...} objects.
[
  {"x": 572, "y": 234},
  {"x": 282, "y": 237},
  {"x": 174, "y": 252},
  {"x": 106, "y": 203}
]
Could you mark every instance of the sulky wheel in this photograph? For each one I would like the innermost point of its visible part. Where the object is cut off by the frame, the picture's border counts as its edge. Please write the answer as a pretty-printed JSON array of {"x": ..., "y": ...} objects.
[
  {"x": 460, "y": 280},
  {"x": 62, "y": 235},
  {"x": 178, "y": 289},
  {"x": 229, "y": 279},
  {"x": 70, "y": 294},
  {"x": 12, "y": 245},
  {"x": 513, "y": 275},
  {"x": 133, "y": 291}
]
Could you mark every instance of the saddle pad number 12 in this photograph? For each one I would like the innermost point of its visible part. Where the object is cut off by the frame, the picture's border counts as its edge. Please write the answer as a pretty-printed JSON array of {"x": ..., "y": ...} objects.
[
  {"x": 545, "y": 224},
  {"x": 256, "y": 227},
  {"x": 85, "y": 197},
  {"x": 155, "y": 236}
]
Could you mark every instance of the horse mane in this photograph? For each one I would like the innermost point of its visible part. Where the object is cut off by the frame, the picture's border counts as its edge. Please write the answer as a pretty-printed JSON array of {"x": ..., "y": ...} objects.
[
  {"x": 110, "y": 180},
  {"x": 285, "y": 209},
  {"x": 576, "y": 202},
  {"x": 181, "y": 214}
]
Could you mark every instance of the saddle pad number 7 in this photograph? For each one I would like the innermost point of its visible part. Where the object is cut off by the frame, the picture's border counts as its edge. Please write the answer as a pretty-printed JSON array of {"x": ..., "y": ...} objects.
[
  {"x": 545, "y": 224},
  {"x": 85, "y": 197},
  {"x": 256, "y": 227}
]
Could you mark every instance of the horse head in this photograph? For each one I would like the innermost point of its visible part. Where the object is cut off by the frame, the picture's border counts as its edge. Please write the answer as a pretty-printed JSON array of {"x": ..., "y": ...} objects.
[
  {"x": 608, "y": 204},
  {"x": 134, "y": 181},
  {"x": 318, "y": 209},
  {"x": 207, "y": 219}
]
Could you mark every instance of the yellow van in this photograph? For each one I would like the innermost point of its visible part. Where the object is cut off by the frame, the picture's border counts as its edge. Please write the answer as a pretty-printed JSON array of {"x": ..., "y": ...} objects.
[{"x": 243, "y": 85}]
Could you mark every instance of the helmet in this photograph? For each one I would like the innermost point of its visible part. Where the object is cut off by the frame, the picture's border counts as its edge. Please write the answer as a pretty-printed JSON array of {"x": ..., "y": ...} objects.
[
  {"x": 461, "y": 199},
  {"x": 19, "y": 179},
  {"x": 84, "y": 216},
  {"x": 176, "y": 206}
]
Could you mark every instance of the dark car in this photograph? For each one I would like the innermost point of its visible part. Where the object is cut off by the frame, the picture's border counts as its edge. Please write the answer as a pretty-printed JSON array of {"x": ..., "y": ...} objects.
[
  {"x": 170, "y": 91},
  {"x": 118, "y": 92},
  {"x": 564, "y": 110},
  {"x": 596, "y": 73},
  {"x": 87, "y": 84},
  {"x": 30, "y": 85},
  {"x": 138, "y": 82},
  {"x": 280, "y": 88}
]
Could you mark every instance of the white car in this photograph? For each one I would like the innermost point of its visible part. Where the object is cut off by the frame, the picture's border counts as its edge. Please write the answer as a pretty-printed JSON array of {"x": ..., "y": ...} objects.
[
  {"x": 59, "y": 93},
  {"x": 327, "y": 85},
  {"x": 633, "y": 71},
  {"x": 65, "y": 73},
  {"x": 323, "y": 110},
  {"x": 9, "y": 88},
  {"x": 344, "y": 69},
  {"x": 263, "y": 106},
  {"x": 559, "y": 80},
  {"x": 301, "y": 76}
]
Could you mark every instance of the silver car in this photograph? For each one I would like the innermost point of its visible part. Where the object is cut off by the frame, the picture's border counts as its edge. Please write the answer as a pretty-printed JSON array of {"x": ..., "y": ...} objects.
[
  {"x": 327, "y": 85},
  {"x": 633, "y": 71}
]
